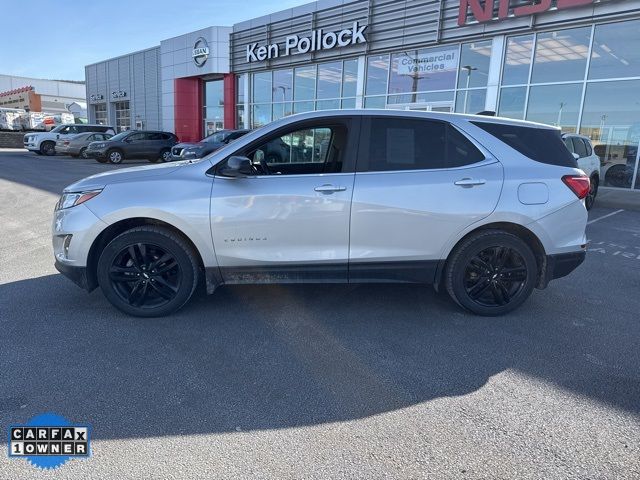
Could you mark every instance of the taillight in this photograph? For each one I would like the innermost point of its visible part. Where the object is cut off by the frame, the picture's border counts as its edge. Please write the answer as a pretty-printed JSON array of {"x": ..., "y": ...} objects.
[{"x": 579, "y": 184}]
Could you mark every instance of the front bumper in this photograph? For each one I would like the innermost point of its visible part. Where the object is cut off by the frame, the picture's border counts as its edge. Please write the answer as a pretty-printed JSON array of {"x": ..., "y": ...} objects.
[
  {"x": 77, "y": 275},
  {"x": 102, "y": 153}
]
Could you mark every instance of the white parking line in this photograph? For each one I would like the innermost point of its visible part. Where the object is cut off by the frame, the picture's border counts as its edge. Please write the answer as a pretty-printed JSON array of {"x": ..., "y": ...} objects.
[{"x": 605, "y": 216}]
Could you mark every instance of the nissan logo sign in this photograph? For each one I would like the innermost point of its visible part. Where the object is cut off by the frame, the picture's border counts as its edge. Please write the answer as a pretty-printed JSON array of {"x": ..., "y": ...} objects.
[{"x": 200, "y": 52}]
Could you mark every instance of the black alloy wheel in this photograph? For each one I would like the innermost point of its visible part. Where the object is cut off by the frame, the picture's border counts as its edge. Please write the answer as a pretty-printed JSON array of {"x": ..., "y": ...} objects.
[
  {"x": 145, "y": 275},
  {"x": 48, "y": 148},
  {"x": 494, "y": 276},
  {"x": 148, "y": 271},
  {"x": 491, "y": 272}
]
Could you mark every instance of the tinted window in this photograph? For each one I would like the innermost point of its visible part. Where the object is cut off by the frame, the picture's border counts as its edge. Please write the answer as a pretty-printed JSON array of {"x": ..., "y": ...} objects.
[
  {"x": 411, "y": 144},
  {"x": 579, "y": 147},
  {"x": 539, "y": 144},
  {"x": 569, "y": 144},
  {"x": 92, "y": 138},
  {"x": 166, "y": 136},
  {"x": 587, "y": 145},
  {"x": 154, "y": 136},
  {"x": 137, "y": 137}
]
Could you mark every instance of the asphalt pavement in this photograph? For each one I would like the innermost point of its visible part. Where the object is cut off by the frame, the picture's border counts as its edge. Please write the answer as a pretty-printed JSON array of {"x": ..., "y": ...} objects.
[{"x": 320, "y": 381}]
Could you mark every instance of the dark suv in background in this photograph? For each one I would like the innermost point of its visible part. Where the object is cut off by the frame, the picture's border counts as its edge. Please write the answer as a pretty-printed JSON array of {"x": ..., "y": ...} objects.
[
  {"x": 186, "y": 151},
  {"x": 133, "y": 144}
]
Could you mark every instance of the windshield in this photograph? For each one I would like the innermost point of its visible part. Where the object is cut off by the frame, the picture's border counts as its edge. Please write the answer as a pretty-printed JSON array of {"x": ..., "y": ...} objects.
[
  {"x": 120, "y": 136},
  {"x": 217, "y": 137},
  {"x": 58, "y": 128}
]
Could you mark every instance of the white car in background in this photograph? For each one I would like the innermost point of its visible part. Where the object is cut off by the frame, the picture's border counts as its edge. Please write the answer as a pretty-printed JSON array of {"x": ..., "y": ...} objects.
[
  {"x": 44, "y": 143},
  {"x": 582, "y": 150}
]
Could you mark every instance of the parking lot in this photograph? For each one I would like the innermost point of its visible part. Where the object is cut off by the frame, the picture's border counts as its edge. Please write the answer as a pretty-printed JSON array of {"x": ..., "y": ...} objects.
[{"x": 320, "y": 381}]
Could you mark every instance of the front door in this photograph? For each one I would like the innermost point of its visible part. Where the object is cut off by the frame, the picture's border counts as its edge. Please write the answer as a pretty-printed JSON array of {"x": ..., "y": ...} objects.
[
  {"x": 419, "y": 184},
  {"x": 289, "y": 221}
]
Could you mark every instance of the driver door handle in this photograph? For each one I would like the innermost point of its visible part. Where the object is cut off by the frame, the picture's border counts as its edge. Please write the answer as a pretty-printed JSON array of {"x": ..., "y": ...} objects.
[
  {"x": 470, "y": 182},
  {"x": 329, "y": 189}
]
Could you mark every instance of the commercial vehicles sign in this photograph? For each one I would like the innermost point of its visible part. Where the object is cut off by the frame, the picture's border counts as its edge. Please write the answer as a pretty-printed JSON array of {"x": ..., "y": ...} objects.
[
  {"x": 484, "y": 11},
  {"x": 318, "y": 40},
  {"x": 428, "y": 62}
]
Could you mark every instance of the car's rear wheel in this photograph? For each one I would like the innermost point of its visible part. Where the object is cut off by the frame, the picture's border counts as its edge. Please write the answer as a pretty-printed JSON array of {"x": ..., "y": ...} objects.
[
  {"x": 148, "y": 272},
  {"x": 593, "y": 192},
  {"x": 83, "y": 152},
  {"x": 491, "y": 273},
  {"x": 48, "y": 148},
  {"x": 115, "y": 156},
  {"x": 165, "y": 155}
]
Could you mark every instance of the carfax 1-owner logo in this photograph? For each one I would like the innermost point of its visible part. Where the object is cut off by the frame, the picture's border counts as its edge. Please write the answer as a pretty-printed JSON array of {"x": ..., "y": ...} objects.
[{"x": 49, "y": 441}]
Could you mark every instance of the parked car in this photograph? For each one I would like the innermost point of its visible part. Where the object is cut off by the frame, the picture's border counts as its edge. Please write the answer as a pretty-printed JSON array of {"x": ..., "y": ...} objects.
[
  {"x": 582, "y": 150},
  {"x": 44, "y": 143},
  {"x": 186, "y": 150},
  {"x": 152, "y": 145},
  {"x": 486, "y": 208},
  {"x": 76, "y": 145}
]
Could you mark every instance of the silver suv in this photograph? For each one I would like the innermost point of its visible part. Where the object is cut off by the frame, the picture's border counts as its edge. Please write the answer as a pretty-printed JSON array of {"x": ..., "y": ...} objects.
[{"x": 486, "y": 208}]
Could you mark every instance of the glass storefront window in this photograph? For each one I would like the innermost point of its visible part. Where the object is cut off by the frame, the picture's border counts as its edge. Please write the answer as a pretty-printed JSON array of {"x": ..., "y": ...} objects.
[
  {"x": 348, "y": 103},
  {"x": 615, "y": 50},
  {"x": 329, "y": 80},
  {"x": 261, "y": 115},
  {"x": 240, "y": 116},
  {"x": 474, "y": 64},
  {"x": 375, "y": 102},
  {"x": 512, "y": 102},
  {"x": 123, "y": 116},
  {"x": 555, "y": 105},
  {"x": 517, "y": 60},
  {"x": 428, "y": 97},
  {"x": 305, "y": 83},
  {"x": 300, "y": 107},
  {"x": 281, "y": 110},
  {"x": 611, "y": 118},
  {"x": 240, "y": 89},
  {"x": 377, "y": 75},
  {"x": 100, "y": 113},
  {"x": 262, "y": 87},
  {"x": 328, "y": 105},
  {"x": 349, "y": 78},
  {"x": 424, "y": 70},
  {"x": 471, "y": 101},
  {"x": 283, "y": 85},
  {"x": 561, "y": 56}
]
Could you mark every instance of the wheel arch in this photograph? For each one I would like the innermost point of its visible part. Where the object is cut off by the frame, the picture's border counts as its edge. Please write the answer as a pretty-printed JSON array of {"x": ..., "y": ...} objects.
[
  {"x": 519, "y": 231},
  {"x": 119, "y": 227}
]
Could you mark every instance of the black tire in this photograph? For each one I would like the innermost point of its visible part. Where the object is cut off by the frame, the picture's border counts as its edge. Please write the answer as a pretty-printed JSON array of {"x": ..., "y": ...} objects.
[
  {"x": 48, "y": 148},
  {"x": 149, "y": 292},
  {"x": 165, "y": 155},
  {"x": 115, "y": 156},
  {"x": 83, "y": 153},
  {"x": 37, "y": 152},
  {"x": 488, "y": 285},
  {"x": 593, "y": 192}
]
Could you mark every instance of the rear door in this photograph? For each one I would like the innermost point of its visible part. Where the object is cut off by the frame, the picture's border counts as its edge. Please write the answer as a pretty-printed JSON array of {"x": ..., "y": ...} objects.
[
  {"x": 419, "y": 182},
  {"x": 290, "y": 221}
]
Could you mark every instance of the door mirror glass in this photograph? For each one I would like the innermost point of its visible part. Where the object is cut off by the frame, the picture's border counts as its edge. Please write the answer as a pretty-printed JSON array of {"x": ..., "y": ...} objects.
[
  {"x": 236, "y": 167},
  {"x": 575, "y": 155}
]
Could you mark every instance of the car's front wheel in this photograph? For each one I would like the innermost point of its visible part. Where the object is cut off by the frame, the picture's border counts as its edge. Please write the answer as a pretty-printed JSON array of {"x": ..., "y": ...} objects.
[
  {"x": 115, "y": 156},
  {"x": 165, "y": 155},
  {"x": 83, "y": 152},
  {"x": 48, "y": 148},
  {"x": 490, "y": 273},
  {"x": 148, "y": 271}
]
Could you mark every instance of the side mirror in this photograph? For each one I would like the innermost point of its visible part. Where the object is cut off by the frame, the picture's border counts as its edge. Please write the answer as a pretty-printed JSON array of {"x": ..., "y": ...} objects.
[
  {"x": 576, "y": 156},
  {"x": 237, "y": 167}
]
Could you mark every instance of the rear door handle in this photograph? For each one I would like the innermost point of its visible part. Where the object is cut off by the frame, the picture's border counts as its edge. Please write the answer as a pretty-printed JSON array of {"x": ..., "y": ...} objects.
[
  {"x": 470, "y": 182},
  {"x": 329, "y": 189}
]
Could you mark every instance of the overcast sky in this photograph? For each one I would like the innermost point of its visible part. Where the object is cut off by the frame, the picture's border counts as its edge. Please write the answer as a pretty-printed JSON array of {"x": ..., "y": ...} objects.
[{"x": 56, "y": 39}]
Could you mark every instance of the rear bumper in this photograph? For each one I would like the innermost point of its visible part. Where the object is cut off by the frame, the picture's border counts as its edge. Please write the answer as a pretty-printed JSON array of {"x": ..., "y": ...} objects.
[
  {"x": 561, "y": 265},
  {"x": 77, "y": 275}
]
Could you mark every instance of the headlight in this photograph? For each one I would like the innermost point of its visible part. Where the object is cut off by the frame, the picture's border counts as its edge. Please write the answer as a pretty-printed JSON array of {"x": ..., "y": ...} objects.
[
  {"x": 190, "y": 153},
  {"x": 68, "y": 200},
  {"x": 99, "y": 145}
]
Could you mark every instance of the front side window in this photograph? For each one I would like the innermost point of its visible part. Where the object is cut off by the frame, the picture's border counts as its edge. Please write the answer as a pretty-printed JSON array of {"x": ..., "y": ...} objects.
[
  {"x": 136, "y": 137},
  {"x": 313, "y": 150},
  {"x": 414, "y": 144}
]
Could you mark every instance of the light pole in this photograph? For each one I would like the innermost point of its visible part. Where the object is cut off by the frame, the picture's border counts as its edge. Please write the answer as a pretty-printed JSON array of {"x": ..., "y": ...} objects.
[
  {"x": 469, "y": 69},
  {"x": 562, "y": 104}
]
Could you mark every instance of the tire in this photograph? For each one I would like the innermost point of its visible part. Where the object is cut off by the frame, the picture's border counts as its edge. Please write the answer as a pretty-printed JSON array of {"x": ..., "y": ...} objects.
[
  {"x": 37, "y": 152},
  {"x": 165, "y": 155},
  {"x": 115, "y": 156},
  {"x": 83, "y": 153},
  {"x": 497, "y": 268},
  {"x": 48, "y": 148},
  {"x": 101, "y": 159},
  {"x": 593, "y": 192},
  {"x": 148, "y": 293}
]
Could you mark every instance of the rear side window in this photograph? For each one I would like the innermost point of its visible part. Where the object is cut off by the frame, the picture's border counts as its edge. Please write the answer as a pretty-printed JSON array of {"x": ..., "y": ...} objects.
[
  {"x": 543, "y": 145},
  {"x": 579, "y": 147},
  {"x": 415, "y": 144}
]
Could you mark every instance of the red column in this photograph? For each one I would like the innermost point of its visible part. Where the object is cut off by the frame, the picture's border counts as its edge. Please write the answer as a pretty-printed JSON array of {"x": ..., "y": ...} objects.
[
  {"x": 230, "y": 100},
  {"x": 188, "y": 109}
]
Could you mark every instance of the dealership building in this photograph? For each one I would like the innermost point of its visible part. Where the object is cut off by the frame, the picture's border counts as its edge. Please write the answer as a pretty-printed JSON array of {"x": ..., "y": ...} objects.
[{"x": 570, "y": 63}]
